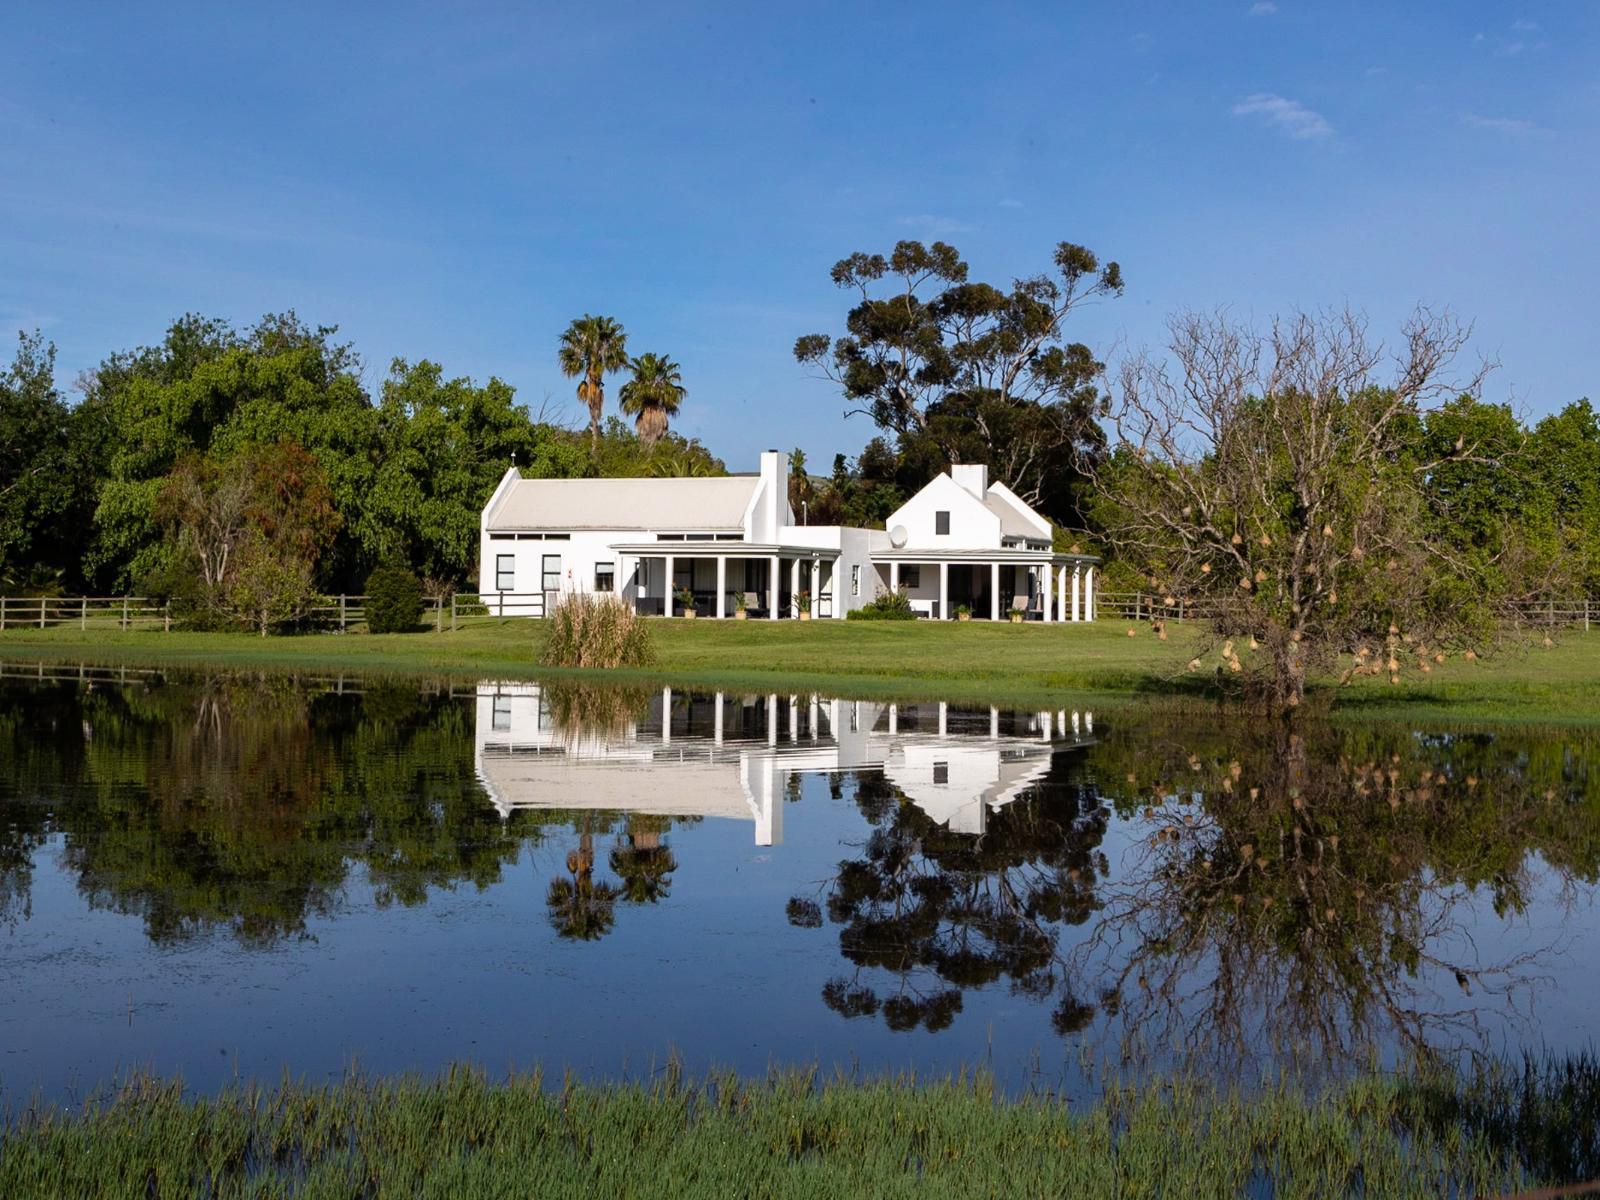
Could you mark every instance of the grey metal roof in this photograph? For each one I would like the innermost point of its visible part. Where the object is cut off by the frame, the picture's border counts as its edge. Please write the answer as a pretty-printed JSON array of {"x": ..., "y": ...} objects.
[{"x": 688, "y": 504}]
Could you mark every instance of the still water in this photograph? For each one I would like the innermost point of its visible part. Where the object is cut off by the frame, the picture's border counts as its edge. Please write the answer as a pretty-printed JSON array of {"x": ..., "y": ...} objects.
[{"x": 248, "y": 875}]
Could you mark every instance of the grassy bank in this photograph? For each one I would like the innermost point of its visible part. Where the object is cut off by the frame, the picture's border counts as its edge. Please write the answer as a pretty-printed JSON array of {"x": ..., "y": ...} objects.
[
  {"x": 461, "y": 1136},
  {"x": 1027, "y": 666}
]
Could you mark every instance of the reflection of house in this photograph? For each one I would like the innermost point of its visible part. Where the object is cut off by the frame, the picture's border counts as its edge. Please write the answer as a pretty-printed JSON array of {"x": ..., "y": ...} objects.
[
  {"x": 733, "y": 542},
  {"x": 732, "y": 756}
]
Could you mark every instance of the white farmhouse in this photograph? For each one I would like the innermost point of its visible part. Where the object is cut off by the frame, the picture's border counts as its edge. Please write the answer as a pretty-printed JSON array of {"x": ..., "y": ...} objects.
[{"x": 723, "y": 546}]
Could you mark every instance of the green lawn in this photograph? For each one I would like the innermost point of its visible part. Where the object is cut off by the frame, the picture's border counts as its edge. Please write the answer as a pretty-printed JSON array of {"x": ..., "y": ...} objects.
[{"x": 1023, "y": 665}]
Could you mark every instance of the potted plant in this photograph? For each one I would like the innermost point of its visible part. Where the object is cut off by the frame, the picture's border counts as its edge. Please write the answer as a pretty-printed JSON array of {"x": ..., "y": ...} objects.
[
  {"x": 803, "y": 603},
  {"x": 739, "y": 604},
  {"x": 686, "y": 601},
  {"x": 963, "y": 612},
  {"x": 1018, "y": 609}
]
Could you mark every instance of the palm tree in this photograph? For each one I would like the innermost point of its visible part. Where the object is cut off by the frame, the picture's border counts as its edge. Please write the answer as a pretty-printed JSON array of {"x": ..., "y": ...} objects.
[
  {"x": 652, "y": 395},
  {"x": 591, "y": 348}
]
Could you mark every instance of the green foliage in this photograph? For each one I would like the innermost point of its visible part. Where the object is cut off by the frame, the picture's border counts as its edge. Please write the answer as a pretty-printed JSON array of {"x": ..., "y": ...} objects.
[
  {"x": 886, "y": 606},
  {"x": 394, "y": 600},
  {"x": 590, "y": 349},
  {"x": 39, "y": 480},
  {"x": 959, "y": 371},
  {"x": 601, "y": 632}
]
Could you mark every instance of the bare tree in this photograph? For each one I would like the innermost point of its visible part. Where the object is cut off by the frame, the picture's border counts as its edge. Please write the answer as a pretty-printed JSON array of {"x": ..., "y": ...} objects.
[{"x": 1272, "y": 479}]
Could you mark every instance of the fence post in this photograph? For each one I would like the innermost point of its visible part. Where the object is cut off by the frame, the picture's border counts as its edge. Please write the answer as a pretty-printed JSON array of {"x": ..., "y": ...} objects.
[
  {"x": 502, "y": 603},
  {"x": 124, "y": 614},
  {"x": 341, "y": 612},
  {"x": 452, "y": 612},
  {"x": 438, "y": 614},
  {"x": 166, "y": 617},
  {"x": 83, "y": 612},
  {"x": 42, "y": 603},
  {"x": 2, "y": 612}
]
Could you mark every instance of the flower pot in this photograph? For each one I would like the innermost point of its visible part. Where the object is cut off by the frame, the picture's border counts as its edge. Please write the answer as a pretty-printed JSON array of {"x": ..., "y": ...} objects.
[
  {"x": 740, "y": 615},
  {"x": 1016, "y": 618},
  {"x": 689, "y": 613},
  {"x": 805, "y": 614},
  {"x": 963, "y": 616}
]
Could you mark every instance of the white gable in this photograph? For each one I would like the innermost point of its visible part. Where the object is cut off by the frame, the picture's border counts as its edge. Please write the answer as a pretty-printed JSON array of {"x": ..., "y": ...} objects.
[
  {"x": 1017, "y": 519},
  {"x": 972, "y": 526}
]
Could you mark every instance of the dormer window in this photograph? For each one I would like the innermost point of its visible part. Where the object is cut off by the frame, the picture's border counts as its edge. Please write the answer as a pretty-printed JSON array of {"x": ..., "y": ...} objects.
[{"x": 941, "y": 523}]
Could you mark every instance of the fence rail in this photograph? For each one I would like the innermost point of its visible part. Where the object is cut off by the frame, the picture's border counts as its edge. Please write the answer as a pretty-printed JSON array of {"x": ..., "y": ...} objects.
[
  {"x": 1147, "y": 606},
  {"x": 344, "y": 613}
]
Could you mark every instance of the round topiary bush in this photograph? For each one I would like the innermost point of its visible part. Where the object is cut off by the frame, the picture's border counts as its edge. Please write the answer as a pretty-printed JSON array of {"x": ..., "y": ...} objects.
[{"x": 394, "y": 600}]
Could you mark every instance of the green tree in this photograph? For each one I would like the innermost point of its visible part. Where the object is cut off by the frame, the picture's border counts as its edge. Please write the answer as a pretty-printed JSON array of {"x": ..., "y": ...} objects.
[
  {"x": 959, "y": 371},
  {"x": 590, "y": 349},
  {"x": 652, "y": 396},
  {"x": 37, "y": 474},
  {"x": 1564, "y": 456}
]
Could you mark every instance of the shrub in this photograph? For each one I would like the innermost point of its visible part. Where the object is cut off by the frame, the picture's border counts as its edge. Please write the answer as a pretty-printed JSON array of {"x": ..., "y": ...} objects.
[
  {"x": 394, "y": 600},
  {"x": 888, "y": 606},
  {"x": 596, "y": 631}
]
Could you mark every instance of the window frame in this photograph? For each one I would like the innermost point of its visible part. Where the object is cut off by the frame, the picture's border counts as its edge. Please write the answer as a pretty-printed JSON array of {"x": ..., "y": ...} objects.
[
  {"x": 545, "y": 574},
  {"x": 855, "y": 579},
  {"x": 941, "y": 522},
  {"x": 910, "y": 575},
  {"x": 505, "y": 578},
  {"x": 609, "y": 567}
]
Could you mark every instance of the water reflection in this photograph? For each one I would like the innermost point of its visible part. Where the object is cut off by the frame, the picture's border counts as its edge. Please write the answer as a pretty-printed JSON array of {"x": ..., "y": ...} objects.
[
  {"x": 1188, "y": 887},
  {"x": 738, "y": 757}
]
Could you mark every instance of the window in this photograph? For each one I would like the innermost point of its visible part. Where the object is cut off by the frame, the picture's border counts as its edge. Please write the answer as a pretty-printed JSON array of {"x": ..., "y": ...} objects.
[
  {"x": 605, "y": 577},
  {"x": 941, "y": 523},
  {"x": 855, "y": 580},
  {"x": 910, "y": 576},
  {"x": 552, "y": 573},
  {"x": 505, "y": 572},
  {"x": 941, "y": 772},
  {"x": 502, "y": 713}
]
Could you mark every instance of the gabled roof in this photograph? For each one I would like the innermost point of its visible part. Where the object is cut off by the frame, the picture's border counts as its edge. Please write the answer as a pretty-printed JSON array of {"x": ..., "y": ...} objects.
[
  {"x": 689, "y": 504},
  {"x": 1017, "y": 518}
]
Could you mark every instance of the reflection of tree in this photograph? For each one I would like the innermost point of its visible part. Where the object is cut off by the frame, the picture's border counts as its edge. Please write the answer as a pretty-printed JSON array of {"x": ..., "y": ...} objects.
[
  {"x": 1304, "y": 889},
  {"x": 581, "y": 907},
  {"x": 643, "y": 860},
  {"x": 926, "y": 913},
  {"x": 241, "y": 802}
]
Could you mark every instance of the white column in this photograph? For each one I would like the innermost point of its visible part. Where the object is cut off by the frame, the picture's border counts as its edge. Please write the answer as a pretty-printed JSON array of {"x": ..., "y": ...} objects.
[
  {"x": 811, "y": 715},
  {"x": 944, "y": 718},
  {"x": 794, "y": 586},
  {"x": 772, "y": 589},
  {"x": 816, "y": 587},
  {"x": 894, "y": 576},
  {"x": 894, "y": 719},
  {"x": 772, "y": 719},
  {"x": 994, "y": 722},
  {"x": 666, "y": 715},
  {"x": 722, "y": 586},
  {"x": 666, "y": 585},
  {"x": 1088, "y": 594},
  {"x": 716, "y": 721},
  {"x": 1049, "y": 573},
  {"x": 994, "y": 591},
  {"x": 794, "y": 718},
  {"x": 1077, "y": 612},
  {"x": 944, "y": 591}
]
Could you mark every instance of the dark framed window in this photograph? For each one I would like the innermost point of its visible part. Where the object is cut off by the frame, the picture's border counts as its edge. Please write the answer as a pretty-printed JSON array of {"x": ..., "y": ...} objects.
[
  {"x": 855, "y": 580},
  {"x": 501, "y": 719},
  {"x": 910, "y": 577},
  {"x": 552, "y": 573},
  {"x": 941, "y": 772},
  {"x": 505, "y": 572},
  {"x": 941, "y": 523},
  {"x": 605, "y": 577}
]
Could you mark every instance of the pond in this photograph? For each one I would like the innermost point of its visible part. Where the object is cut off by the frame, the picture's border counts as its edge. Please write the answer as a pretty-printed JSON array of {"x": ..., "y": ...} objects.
[{"x": 246, "y": 875}]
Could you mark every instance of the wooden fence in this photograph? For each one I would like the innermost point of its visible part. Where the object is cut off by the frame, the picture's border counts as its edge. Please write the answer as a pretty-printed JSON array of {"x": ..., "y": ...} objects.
[{"x": 1146, "y": 606}]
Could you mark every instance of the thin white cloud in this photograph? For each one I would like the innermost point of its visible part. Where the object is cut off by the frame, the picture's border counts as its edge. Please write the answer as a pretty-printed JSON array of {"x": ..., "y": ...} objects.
[
  {"x": 1010, "y": 203},
  {"x": 1511, "y": 126},
  {"x": 1263, "y": 8},
  {"x": 1289, "y": 117},
  {"x": 1525, "y": 27},
  {"x": 936, "y": 225}
]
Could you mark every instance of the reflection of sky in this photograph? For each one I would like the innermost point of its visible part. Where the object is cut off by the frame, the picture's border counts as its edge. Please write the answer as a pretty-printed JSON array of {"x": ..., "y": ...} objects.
[{"x": 714, "y": 971}]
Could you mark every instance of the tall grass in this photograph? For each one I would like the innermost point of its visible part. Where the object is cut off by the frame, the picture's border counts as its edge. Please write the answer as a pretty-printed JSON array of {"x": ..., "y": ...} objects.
[
  {"x": 599, "y": 632},
  {"x": 462, "y": 1136}
]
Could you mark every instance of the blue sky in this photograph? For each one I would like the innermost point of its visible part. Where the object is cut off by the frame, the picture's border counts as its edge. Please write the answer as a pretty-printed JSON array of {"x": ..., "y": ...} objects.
[{"x": 456, "y": 181}]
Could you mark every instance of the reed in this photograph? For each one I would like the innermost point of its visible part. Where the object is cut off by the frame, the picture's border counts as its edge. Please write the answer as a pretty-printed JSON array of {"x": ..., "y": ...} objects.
[
  {"x": 596, "y": 632},
  {"x": 791, "y": 1135}
]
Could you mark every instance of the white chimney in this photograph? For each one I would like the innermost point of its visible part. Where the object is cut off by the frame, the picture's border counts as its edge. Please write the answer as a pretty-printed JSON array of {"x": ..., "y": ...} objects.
[
  {"x": 772, "y": 510},
  {"x": 974, "y": 477}
]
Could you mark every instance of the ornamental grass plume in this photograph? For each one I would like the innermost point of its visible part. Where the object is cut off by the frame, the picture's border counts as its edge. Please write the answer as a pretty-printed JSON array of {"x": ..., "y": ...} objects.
[{"x": 600, "y": 632}]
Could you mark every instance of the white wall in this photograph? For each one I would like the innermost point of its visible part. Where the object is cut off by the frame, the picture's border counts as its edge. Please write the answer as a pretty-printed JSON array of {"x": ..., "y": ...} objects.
[{"x": 972, "y": 526}]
